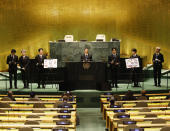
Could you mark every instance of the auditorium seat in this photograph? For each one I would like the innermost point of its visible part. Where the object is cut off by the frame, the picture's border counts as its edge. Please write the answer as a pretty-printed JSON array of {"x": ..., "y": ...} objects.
[
  {"x": 39, "y": 105},
  {"x": 5, "y": 99},
  {"x": 145, "y": 110},
  {"x": 128, "y": 128},
  {"x": 31, "y": 123},
  {"x": 158, "y": 121},
  {"x": 117, "y": 97},
  {"x": 150, "y": 115},
  {"x": 33, "y": 99},
  {"x": 37, "y": 111},
  {"x": 4, "y": 105},
  {"x": 57, "y": 104},
  {"x": 26, "y": 129},
  {"x": 33, "y": 116},
  {"x": 141, "y": 104},
  {"x": 165, "y": 129},
  {"x": 142, "y": 98}
]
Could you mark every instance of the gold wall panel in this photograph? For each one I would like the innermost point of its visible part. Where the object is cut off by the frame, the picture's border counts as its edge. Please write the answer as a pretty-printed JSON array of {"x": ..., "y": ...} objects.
[{"x": 30, "y": 24}]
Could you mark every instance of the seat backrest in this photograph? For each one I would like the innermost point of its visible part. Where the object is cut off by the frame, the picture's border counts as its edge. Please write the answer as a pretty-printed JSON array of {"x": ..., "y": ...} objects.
[
  {"x": 31, "y": 123},
  {"x": 39, "y": 105},
  {"x": 145, "y": 110},
  {"x": 33, "y": 116},
  {"x": 5, "y": 99},
  {"x": 142, "y": 98},
  {"x": 33, "y": 99},
  {"x": 150, "y": 115},
  {"x": 37, "y": 111},
  {"x": 57, "y": 104},
  {"x": 159, "y": 121},
  {"x": 26, "y": 129},
  {"x": 4, "y": 105},
  {"x": 117, "y": 97},
  {"x": 141, "y": 104},
  {"x": 165, "y": 129},
  {"x": 128, "y": 128}
]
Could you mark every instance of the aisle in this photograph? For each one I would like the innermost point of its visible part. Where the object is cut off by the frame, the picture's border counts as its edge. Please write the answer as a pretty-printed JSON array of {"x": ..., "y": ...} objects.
[{"x": 90, "y": 120}]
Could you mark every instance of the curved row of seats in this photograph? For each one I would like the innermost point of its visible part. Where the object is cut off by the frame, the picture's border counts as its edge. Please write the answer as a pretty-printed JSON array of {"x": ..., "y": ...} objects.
[
  {"x": 151, "y": 114},
  {"x": 45, "y": 114}
]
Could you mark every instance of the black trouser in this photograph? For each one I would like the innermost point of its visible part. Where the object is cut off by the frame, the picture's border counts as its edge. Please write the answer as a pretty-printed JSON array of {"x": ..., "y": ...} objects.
[
  {"x": 41, "y": 76},
  {"x": 135, "y": 77},
  {"x": 157, "y": 74},
  {"x": 25, "y": 78},
  {"x": 114, "y": 72},
  {"x": 11, "y": 73}
]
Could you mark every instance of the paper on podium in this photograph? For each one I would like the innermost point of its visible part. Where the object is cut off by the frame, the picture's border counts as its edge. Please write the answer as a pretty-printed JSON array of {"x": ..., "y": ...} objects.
[
  {"x": 50, "y": 63},
  {"x": 132, "y": 63}
]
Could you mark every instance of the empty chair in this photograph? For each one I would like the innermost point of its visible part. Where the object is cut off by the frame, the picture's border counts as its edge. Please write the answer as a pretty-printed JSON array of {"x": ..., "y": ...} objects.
[
  {"x": 33, "y": 99},
  {"x": 39, "y": 105},
  {"x": 141, "y": 104},
  {"x": 33, "y": 116},
  {"x": 117, "y": 97},
  {"x": 57, "y": 104},
  {"x": 142, "y": 98},
  {"x": 5, "y": 99},
  {"x": 150, "y": 115},
  {"x": 26, "y": 129},
  {"x": 145, "y": 110},
  {"x": 4, "y": 105},
  {"x": 31, "y": 123},
  {"x": 159, "y": 121},
  {"x": 133, "y": 128},
  {"x": 37, "y": 111},
  {"x": 165, "y": 129}
]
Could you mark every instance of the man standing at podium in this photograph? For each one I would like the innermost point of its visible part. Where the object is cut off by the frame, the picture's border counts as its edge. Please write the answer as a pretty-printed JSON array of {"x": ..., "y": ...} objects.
[
  {"x": 114, "y": 61},
  {"x": 135, "y": 71},
  {"x": 40, "y": 67},
  {"x": 86, "y": 57},
  {"x": 12, "y": 61},
  {"x": 157, "y": 59},
  {"x": 24, "y": 64}
]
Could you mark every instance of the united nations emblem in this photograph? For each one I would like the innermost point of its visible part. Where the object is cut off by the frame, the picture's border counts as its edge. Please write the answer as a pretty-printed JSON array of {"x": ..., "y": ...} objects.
[{"x": 86, "y": 66}]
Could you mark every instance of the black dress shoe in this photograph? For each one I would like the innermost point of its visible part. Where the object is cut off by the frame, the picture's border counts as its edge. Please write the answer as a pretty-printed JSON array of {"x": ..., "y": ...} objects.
[
  {"x": 43, "y": 87},
  {"x": 16, "y": 88},
  {"x": 155, "y": 84},
  {"x": 38, "y": 87},
  {"x": 159, "y": 85}
]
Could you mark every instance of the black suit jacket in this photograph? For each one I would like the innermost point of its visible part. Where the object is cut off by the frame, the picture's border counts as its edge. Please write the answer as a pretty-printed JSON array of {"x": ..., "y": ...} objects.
[
  {"x": 116, "y": 59},
  {"x": 24, "y": 62},
  {"x": 159, "y": 57},
  {"x": 83, "y": 57},
  {"x": 12, "y": 63},
  {"x": 39, "y": 60}
]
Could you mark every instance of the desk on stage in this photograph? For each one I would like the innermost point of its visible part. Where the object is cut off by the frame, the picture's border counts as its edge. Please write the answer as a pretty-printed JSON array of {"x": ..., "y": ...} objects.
[{"x": 85, "y": 75}]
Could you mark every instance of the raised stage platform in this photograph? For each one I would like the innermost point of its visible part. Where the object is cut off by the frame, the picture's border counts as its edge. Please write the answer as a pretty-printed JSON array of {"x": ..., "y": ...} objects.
[{"x": 86, "y": 98}]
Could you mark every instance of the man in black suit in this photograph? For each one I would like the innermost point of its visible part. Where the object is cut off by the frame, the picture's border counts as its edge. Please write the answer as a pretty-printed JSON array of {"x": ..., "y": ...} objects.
[
  {"x": 135, "y": 71},
  {"x": 12, "y": 61},
  {"x": 24, "y": 64},
  {"x": 86, "y": 57},
  {"x": 157, "y": 59},
  {"x": 40, "y": 67},
  {"x": 114, "y": 61}
]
